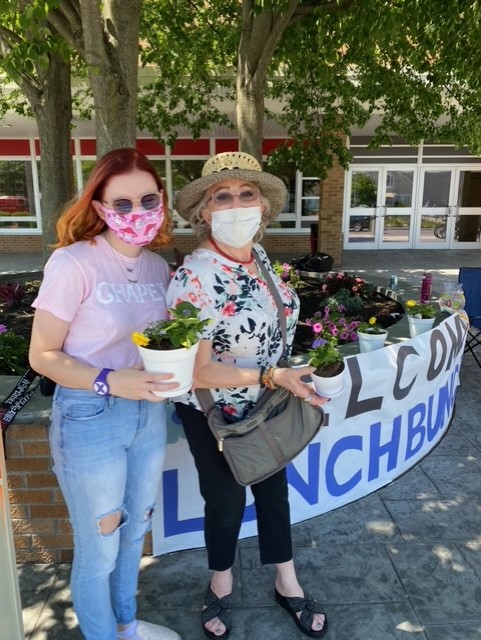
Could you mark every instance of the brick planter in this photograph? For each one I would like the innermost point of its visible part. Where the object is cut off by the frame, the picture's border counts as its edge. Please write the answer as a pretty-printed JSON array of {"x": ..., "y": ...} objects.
[{"x": 41, "y": 527}]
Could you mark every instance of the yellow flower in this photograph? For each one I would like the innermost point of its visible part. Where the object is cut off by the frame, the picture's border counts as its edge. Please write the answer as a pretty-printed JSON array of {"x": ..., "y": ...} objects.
[
  {"x": 411, "y": 303},
  {"x": 140, "y": 339},
  {"x": 372, "y": 320}
]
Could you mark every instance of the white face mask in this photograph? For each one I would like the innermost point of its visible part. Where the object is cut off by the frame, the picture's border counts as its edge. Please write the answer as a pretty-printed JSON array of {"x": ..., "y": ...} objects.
[{"x": 236, "y": 227}]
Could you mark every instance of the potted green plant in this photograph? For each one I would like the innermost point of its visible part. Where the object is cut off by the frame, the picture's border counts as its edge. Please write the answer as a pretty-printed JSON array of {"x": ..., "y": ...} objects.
[
  {"x": 170, "y": 345},
  {"x": 371, "y": 335},
  {"x": 328, "y": 377},
  {"x": 420, "y": 316}
]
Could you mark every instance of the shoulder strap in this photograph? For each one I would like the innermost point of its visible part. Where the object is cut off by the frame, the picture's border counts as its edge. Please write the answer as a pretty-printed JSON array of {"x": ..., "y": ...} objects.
[{"x": 275, "y": 294}]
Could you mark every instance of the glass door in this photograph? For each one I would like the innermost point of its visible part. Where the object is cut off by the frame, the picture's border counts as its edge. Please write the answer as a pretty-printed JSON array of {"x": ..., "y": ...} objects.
[
  {"x": 436, "y": 213},
  {"x": 467, "y": 224},
  {"x": 363, "y": 208},
  {"x": 397, "y": 208},
  {"x": 379, "y": 208}
]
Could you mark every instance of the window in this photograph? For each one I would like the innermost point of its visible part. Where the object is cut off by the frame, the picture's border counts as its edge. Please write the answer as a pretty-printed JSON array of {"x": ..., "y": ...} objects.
[{"x": 17, "y": 208}]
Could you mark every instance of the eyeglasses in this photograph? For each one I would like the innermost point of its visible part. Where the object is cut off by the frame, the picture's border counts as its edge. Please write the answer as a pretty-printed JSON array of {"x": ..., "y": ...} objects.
[
  {"x": 124, "y": 205},
  {"x": 226, "y": 198}
]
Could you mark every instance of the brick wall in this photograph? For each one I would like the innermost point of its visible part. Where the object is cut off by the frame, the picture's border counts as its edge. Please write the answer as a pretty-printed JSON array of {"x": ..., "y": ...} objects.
[
  {"x": 285, "y": 244},
  {"x": 41, "y": 528},
  {"x": 331, "y": 208},
  {"x": 20, "y": 244}
]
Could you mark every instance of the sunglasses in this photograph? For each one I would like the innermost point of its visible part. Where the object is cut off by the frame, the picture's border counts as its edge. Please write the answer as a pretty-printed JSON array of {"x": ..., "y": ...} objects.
[
  {"x": 226, "y": 198},
  {"x": 124, "y": 205}
]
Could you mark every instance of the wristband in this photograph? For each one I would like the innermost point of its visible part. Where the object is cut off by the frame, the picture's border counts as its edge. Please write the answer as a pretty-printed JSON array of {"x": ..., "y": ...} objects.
[{"x": 100, "y": 385}]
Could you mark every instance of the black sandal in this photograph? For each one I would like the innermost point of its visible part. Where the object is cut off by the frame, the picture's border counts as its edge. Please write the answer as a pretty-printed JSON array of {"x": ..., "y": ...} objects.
[
  {"x": 308, "y": 607},
  {"x": 216, "y": 608}
]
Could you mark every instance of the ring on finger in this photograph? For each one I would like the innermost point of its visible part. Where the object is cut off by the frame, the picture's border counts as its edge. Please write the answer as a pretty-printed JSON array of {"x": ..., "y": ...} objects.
[{"x": 308, "y": 399}]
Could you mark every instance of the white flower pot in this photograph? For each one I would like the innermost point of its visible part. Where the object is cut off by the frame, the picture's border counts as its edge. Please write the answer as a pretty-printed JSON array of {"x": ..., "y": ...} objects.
[
  {"x": 417, "y": 326},
  {"x": 328, "y": 387},
  {"x": 371, "y": 341},
  {"x": 180, "y": 362}
]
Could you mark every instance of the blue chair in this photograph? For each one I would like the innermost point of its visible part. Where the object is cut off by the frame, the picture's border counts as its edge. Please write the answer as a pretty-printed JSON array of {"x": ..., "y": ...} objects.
[{"x": 470, "y": 278}]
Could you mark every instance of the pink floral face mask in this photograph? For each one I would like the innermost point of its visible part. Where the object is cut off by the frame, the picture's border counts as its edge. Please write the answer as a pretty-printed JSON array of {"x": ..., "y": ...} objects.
[{"x": 137, "y": 227}]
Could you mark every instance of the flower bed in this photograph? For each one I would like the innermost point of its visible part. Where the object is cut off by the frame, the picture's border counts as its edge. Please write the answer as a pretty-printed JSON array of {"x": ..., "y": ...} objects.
[{"x": 362, "y": 302}]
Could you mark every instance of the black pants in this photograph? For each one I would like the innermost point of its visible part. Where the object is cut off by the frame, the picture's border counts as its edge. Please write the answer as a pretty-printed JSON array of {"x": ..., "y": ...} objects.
[{"x": 225, "y": 500}]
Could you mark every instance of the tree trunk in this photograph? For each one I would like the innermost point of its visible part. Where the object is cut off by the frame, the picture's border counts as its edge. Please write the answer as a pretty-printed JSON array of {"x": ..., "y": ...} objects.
[
  {"x": 111, "y": 38},
  {"x": 250, "y": 115},
  {"x": 260, "y": 35},
  {"x": 53, "y": 114}
]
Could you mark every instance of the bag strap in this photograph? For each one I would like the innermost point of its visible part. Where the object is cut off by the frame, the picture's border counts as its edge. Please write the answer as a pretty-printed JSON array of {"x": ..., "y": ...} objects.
[
  {"x": 16, "y": 399},
  {"x": 276, "y": 295},
  {"x": 204, "y": 396}
]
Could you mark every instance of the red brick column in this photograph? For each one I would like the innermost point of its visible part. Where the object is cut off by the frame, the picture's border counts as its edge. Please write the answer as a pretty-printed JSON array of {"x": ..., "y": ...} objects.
[{"x": 331, "y": 210}]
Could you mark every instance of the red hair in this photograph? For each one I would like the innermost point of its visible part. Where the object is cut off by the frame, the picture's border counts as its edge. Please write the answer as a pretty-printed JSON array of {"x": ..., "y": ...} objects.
[{"x": 80, "y": 221}]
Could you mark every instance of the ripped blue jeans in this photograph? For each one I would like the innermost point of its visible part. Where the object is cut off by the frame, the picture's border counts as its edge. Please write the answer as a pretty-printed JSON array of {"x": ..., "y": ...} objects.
[{"x": 108, "y": 455}]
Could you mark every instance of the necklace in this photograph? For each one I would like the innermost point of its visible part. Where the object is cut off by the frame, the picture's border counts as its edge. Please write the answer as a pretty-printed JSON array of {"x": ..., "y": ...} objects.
[
  {"x": 226, "y": 255},
  {"x": 129, "y": 271}
]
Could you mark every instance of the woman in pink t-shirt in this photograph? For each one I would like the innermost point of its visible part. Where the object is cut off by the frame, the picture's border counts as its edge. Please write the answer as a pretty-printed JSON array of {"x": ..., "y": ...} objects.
[{"x": 108, "y": 431}]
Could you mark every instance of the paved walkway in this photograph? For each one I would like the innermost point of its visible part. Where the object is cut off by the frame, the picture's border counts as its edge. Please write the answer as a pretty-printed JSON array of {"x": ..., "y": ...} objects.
[{"x": 403, "y": 563}]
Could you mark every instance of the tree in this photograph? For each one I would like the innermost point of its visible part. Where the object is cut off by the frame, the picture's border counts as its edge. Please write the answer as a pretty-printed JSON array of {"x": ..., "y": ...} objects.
[
  {"x": 330, "y": 63},
  {"x": 231, "y": 44},
  {"x": 39, "y": 64},
  {"x": 38, "y": 38},
  {"x": 106, "y": 36}
]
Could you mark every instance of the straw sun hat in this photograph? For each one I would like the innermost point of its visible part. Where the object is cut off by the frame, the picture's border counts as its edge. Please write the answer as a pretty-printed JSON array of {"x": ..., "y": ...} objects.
[{"x": 232, "y": 164}]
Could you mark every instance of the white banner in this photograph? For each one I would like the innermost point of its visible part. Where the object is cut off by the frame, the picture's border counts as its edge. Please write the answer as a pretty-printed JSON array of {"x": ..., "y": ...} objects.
[{"x": 396, "y": 405}]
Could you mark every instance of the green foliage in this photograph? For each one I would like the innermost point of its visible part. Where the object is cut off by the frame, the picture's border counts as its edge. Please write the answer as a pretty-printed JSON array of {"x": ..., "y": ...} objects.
[
  {"x": 324, "y": 353},
  {"x": 194, "y": 62},
  {"x": 352, "y": 304},
  {"x": 181, "y": 330},
  {"x": 370, "y": 326},
  {"x": 288, "y": 274},
  {"x": 336, "y": 65},
  {"x": 420, "y": 310},
  {"x": 13, "y": 352}
]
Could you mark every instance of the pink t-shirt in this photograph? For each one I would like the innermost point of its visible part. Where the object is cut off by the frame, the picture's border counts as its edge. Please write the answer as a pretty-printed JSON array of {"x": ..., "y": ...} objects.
[{"x": 88, "y": 285}]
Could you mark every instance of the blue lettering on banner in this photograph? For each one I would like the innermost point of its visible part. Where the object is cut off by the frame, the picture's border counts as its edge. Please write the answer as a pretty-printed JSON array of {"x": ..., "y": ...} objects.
[
  {"x": 344, "y": 444},
  {"x": 308, "y": 490},
  {"x": 172, "y": 525},
  {"x": 419, "y": 427},
  {"x": 422, "y": 422},
  {"x": 377, "y": 450},
  {"x": 170, "y": 493}
]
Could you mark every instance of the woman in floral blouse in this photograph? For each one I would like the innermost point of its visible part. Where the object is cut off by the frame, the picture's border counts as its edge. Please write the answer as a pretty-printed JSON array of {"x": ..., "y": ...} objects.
[{"x": 229, "y": 207}]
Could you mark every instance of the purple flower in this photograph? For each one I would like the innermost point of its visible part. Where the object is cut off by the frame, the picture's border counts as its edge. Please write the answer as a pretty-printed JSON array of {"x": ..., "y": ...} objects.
[
  {"x": 317, "y": 327},
  {"x": 319, "y": 343},
  {"x": 3, "y": 328}
]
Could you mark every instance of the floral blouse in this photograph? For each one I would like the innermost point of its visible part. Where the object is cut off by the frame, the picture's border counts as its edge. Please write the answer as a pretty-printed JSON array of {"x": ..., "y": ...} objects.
[{"x": 245, "y": 330}]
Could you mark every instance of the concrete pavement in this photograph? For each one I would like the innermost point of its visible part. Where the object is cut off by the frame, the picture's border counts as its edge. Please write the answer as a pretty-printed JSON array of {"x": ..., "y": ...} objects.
[{"x": 402, "y": 563}]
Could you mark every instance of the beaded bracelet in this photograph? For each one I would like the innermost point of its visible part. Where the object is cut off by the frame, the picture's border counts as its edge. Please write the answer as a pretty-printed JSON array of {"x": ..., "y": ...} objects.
[{"x": 267, "y": 378}]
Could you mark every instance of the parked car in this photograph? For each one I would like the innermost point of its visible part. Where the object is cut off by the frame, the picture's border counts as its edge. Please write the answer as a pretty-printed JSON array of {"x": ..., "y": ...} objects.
[
  {"x": 13, "y": 204},
  {"x": 359, "y": 223}
]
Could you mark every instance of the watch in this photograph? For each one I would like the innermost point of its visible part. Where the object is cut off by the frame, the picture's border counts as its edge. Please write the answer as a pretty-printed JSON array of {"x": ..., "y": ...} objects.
[{"x": 100, "y": 385}]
